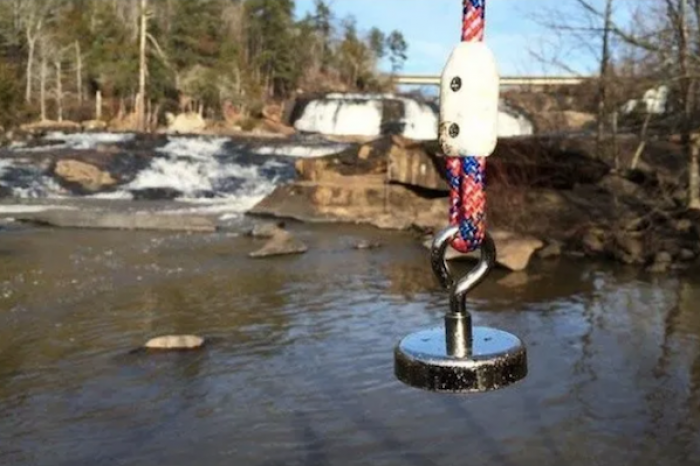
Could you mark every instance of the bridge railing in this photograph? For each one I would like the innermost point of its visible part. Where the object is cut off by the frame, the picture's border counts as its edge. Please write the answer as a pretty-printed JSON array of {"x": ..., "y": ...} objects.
[{"x": 535, "y": 81}]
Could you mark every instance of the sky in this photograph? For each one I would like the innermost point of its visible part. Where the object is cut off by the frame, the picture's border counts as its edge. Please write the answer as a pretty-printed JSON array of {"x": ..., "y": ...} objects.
[{"x": 432, "y": 29}]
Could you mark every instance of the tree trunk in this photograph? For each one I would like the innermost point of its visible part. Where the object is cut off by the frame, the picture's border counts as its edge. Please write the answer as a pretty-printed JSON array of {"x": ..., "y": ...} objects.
[
  {"x": 604, "y": 81},
  {"x": 79, "y": 72},
  {"x": 42, "y": 92},
  {"x": 694, "y": 178},
  {"x": 98, "y": 105},
  {"x": 141, "y": 99},
  {"x": 59, "y": 90},
  {"x": 31, "y": 49},
  {"x": 686, "y": 95}
]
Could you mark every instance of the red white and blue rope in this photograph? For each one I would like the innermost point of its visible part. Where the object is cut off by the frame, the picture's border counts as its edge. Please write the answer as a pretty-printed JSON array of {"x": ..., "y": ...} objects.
[{"x": 467, "y": 174}]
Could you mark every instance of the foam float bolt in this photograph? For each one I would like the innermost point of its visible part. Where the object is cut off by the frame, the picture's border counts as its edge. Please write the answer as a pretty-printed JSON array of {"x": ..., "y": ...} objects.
[{"x": 469, "y": 96}]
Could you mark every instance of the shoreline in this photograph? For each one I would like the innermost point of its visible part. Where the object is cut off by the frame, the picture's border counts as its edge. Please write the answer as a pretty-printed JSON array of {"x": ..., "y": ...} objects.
[{"x": 545, "y": 193}]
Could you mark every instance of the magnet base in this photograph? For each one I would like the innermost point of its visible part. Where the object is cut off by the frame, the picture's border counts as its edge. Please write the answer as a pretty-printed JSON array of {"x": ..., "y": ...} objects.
[{"x": 497, "y": 360}]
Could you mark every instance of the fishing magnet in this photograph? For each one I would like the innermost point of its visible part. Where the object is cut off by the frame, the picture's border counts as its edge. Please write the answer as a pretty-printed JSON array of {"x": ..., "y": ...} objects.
[{"x": 457, "y": 357}]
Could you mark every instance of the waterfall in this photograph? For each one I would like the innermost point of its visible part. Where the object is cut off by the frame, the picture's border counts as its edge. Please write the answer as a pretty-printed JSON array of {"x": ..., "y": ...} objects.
[{"x": 368, "y": 115}]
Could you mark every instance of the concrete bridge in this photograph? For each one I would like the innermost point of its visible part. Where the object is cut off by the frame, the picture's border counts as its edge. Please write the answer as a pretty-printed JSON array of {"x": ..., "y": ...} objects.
[{"x": 506, "y": 81}]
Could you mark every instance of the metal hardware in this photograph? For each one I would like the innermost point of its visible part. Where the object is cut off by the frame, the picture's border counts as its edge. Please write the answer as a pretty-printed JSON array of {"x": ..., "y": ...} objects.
[
  {"x": 459, "y": 358},
  {"x": 454, "y": 130},
  {"x": 456, "y": 84}
]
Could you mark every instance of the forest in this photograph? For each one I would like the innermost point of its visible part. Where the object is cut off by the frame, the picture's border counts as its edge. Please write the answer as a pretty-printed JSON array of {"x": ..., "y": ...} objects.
[{"x": 58, "y": 58}]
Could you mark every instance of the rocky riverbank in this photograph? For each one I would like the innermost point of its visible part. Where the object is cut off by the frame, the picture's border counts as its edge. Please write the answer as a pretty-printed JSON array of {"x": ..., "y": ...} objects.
[{"x": 548, "y": 196}]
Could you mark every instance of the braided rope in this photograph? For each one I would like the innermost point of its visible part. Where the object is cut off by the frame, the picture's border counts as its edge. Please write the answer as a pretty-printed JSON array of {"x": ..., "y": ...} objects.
[{"x": 467, "y": 175}]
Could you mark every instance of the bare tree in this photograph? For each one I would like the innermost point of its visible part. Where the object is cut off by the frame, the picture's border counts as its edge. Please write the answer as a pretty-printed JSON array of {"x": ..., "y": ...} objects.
[
  {"x": 672, "y": 43},
  {"x": 43, "y": 76},
  {"x": 32, "y": 15},
  {"x": 141, "y": 98},
  {"x": 78, "y": 72},
  {"x": 678, "y": 13},
  {"x": 604, "y": 112}
]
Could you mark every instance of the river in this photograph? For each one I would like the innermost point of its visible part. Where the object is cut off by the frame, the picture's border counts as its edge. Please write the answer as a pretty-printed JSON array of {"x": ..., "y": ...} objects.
[{"x": 300, "y": 366}]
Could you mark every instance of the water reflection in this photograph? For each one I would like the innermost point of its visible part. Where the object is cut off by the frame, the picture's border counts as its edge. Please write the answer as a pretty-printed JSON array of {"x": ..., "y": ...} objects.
[{"x": 301, "y": 369}]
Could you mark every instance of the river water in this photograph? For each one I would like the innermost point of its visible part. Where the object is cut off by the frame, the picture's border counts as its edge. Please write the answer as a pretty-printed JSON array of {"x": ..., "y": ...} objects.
[{"x": 300, "y": 366}]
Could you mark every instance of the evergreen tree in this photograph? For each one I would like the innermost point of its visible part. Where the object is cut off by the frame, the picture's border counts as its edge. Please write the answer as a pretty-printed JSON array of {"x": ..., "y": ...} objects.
[
  {"x": 209, "y": 51},
  {"x": 270, "y": 37},
  {"x": 398, "y": 50}
]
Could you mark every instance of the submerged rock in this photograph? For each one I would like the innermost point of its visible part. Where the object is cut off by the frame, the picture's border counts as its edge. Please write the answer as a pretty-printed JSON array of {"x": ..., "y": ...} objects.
[
  {"x": 366, "y": 245},
  {"x": 281, "y": 244},
  {"x": 175, "y": 342}
]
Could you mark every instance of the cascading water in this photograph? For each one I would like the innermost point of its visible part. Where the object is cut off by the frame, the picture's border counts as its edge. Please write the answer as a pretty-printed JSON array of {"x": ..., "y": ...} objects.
[
  {"x": 512, "y": 123},
  {"x": 336, "y": 116},
  {"x": 420, "y": 120},
  {"x": 366, "y": 115},
  {"x": 216, "y": 173}
]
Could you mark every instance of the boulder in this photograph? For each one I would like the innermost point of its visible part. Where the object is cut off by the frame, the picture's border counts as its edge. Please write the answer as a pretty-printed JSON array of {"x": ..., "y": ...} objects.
[
  {"x": 273, "y": 113},
  {"x": 281, "y": 244},
  {"x": 410, "y": 164},
  {"x": 92, "y": 125},
  {"x": 275, "y": 127},
  {"x": 552, "y": 250},
  {"x": 88, "y": 177},
  {"x": 361, "y": 200},
  {"x": 266, "y": 230},
  {"x": 628, "y": 248},
  {"x": 593, "y": 241},
  {"x": 185, "y": 123},
  {"x": 175, "y": 342},
  {"x": 513, "y": 252}
]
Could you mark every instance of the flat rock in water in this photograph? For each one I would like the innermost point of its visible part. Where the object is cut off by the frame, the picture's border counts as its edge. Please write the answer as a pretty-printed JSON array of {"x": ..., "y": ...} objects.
[
  {"x": 120, "y": 221},
  {"x": 281, "y": 244},
  {"x": 513, "y": 252},
  {"x": 175, "y": 342}
]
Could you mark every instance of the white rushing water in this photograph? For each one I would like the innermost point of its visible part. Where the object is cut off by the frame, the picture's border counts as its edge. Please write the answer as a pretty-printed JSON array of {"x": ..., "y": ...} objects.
[
  {"x": 512, "y": 123},
  {"x": 301, "y": 151},
  {"x": 420, "y": 119},
  {"x": 78, "y": 141},
  {"x": 361, "y": 115},
  {"x": 358, "y": 117},
  {"x": 207, "y": 172},
  {"x": 204, "y": 171}
]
